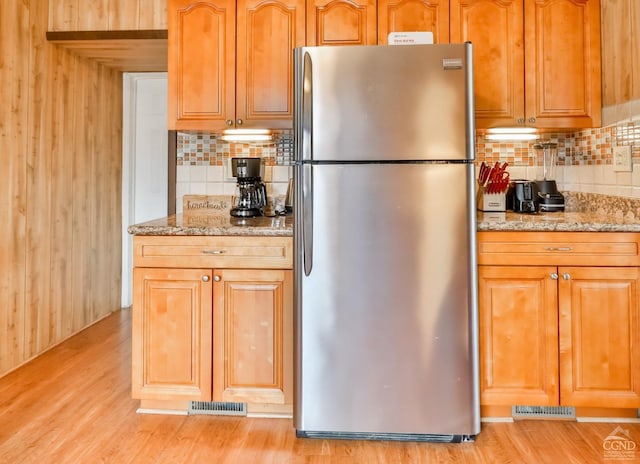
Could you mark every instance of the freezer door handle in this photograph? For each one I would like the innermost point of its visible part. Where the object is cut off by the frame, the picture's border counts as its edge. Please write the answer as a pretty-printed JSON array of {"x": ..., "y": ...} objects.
[
  {"x": 307, "y": 218},
  {"x": 307, "y": 109}
]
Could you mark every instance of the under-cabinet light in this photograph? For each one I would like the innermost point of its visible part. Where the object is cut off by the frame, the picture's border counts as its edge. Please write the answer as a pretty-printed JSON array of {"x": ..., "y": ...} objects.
[
  {"x": 247, "y": 135},
  {"x": 512, "y": 133}
]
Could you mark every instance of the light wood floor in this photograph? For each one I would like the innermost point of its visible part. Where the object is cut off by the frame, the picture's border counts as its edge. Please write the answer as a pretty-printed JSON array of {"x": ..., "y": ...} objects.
[{"x": 73, "y": 405}]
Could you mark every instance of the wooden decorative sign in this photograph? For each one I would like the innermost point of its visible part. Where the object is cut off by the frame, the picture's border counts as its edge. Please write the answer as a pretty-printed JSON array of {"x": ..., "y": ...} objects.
[{"x": 206, "y": 205}]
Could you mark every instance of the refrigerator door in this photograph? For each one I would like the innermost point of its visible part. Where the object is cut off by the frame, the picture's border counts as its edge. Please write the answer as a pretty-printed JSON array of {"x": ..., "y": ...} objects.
[
  {"x": 386, "y": 328},
  {"x": 384, "y": 102}
]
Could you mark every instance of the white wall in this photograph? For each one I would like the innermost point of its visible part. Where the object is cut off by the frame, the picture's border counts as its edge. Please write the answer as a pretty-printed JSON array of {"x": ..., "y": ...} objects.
[{"x": 144, "y": 166}]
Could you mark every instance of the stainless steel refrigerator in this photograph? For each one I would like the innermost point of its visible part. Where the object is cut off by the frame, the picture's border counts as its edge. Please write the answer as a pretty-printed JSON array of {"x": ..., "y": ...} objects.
[{"x": 385, "y": 268}]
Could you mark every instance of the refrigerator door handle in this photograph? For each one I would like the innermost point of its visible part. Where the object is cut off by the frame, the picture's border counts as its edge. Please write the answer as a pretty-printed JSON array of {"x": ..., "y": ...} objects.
[
  {"x": 307, "y": 109},
  {"x": 307, "y": 171},
  {"x": 307, "y": 218}
]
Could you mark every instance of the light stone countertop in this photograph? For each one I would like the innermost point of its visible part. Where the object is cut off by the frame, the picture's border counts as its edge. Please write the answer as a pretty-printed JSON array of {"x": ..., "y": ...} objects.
[
  {"x": 282, "y": 226},
  {"x": 179, "y": 224},
  {"x": 559, "y": 222},
  {"x": 585, "y": 213}
]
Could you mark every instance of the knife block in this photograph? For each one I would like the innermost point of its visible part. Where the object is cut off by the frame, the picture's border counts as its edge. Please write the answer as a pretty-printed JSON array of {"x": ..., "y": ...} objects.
[{"x": 491, "y": 201}]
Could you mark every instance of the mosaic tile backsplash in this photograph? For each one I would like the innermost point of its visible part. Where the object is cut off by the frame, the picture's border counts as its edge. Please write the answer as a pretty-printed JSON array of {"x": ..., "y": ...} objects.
[
  {"x": 584, "y": 161},
  {"x": 202, "y": 165},
  {"x": 205, "y": 149}
]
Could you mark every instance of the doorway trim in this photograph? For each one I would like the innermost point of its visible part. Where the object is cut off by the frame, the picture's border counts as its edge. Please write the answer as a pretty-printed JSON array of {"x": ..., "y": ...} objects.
[{"x": 129, "y": 97}]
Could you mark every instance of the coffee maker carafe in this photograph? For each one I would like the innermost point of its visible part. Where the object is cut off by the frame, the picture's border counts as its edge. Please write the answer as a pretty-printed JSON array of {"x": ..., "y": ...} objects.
[
  {"x": 549, "y": 198},
  {"x": 251, "y": 197}
]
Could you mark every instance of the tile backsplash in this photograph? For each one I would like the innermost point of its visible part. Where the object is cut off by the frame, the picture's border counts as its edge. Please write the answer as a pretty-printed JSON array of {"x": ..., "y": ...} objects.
[
  {"x": 203, "y": 165},
  {"x": 584, "y": 159}
]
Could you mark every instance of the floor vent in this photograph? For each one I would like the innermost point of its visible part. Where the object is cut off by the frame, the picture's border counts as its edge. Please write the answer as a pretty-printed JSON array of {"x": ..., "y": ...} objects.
[
  {"x": 543, "y": 412},
  {"x": 218, "y": 408}
]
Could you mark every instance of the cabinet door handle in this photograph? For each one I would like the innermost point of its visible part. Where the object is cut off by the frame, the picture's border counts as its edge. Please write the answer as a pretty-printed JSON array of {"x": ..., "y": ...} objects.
[
  {"x": 520, "y": 120},
  {"x": 558, "y": 248},
  {"x": 554, "y": 276},
  {"x": 217, "y": 278},
  {"x": 238, "y": 122},
  {"x": 214, "y": 252},
  {"x": 229, "y": 122},
  {"x": 205, "y": 278},
  {"x": 532, "y": 120},
  {"x": 566, "y": 276}
]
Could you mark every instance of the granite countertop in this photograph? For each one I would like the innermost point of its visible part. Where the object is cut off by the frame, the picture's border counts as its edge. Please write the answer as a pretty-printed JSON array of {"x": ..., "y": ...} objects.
[
  {"x": 192, "y": 224},
  {"x": 559, "y": 222},
  {"x": 584, "y": 213}
]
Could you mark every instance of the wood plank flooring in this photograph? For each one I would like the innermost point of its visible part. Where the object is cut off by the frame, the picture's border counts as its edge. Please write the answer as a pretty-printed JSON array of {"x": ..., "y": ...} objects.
[{"x": 73, "y": 405}]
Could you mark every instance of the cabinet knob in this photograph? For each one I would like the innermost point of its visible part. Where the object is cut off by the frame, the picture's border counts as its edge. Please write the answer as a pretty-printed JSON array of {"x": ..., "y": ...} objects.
[
  {"x": 238, "y": 122},
  {"x": 205, "y": 278},
  {"x": 566, "y": 276},
  {"x": 217, "y": 278},
  {"x": 520, "y": 121},
  {"x": 229, "y": 122},
  {"x": 532, "y": 120},
  {"x": 554, "y": 276}
]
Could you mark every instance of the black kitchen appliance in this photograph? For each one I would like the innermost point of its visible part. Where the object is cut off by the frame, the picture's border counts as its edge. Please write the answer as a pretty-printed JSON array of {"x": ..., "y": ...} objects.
[
  {"x": 548, "y": 197},
  {"x": 522, "y": 196},
  {"x": 251, "y": 196}
]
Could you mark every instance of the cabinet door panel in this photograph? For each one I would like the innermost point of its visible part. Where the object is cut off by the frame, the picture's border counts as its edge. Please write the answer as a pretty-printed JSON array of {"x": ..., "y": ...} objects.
[
  {"x": 600, "y": 337},
  {"x": 495, "y": 27},
  {"x": 172, "y": 334},
  {"x": 267, "y": 33},
  {"x": 562, "y": 56},
  {"x": 341, "y": 22},
  {"x": 518, "y": 335},
  {"x": 413, "y": 15},
  {"x": 253, "y": 336},
  {"x": 201, "y": 64}
]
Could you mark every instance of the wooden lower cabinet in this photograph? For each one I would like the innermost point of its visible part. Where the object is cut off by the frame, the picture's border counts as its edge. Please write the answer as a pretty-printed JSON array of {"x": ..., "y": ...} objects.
[
  {"x": 219, "y": 333},
  {"x": 559, "y": 336},
  {"x": 171, "y": 334},
  {"x": 253, "y": 338},
  {"x": 599, "y": 336},
  {"x": 518, "y": 335}
]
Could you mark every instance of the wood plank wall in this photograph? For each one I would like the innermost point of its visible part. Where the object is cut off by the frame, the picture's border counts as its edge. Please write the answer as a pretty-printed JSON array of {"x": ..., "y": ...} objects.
[
  {"x": 60, "y": 193},
  {"x": 620, "y": 51},
  {"x": 107, "y": 15}
]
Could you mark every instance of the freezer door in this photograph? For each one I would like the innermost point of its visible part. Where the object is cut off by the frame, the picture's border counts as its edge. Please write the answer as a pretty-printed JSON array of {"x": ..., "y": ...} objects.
[
  {"x": 384, "y": 102},
  {"x": 386, "y": 330}
]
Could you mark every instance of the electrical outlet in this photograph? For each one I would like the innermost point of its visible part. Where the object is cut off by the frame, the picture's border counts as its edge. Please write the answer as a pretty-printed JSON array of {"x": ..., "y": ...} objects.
[{"x": 622, "y": 159}]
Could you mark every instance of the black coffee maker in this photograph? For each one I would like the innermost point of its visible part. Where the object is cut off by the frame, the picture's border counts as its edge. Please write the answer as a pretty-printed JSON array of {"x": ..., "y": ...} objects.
[{"x": 251, "y": 196}]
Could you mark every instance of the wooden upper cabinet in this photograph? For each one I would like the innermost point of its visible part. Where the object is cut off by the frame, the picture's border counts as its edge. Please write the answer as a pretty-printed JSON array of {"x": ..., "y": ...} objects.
[
  {"x": 535, "y": 66},
  {"x": 562, "y": 63},
  {"x": 341, "y": 22},
  {"x": 413, "y": 15},
  {"x": 201, "y": 64},
  {"x": 232, "y": 65},
  {"x": 267, "y": 33},
  {"x": 496, "y": 29},
  {"x": 599, "y": 336}
]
